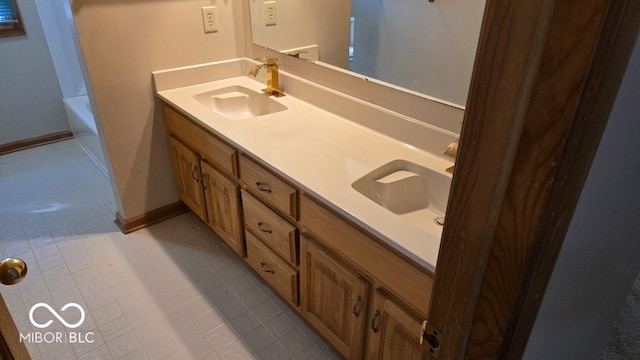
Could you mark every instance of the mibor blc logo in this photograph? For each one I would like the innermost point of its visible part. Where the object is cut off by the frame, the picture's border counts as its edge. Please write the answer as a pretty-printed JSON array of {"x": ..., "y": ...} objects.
[{"x": 71, "y": 337}]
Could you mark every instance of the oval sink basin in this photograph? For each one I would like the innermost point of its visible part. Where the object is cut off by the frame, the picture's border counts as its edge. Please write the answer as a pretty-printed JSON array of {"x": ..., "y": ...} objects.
[
  {"x": 402, "y": 187},
  {"x": 238, "y": 102}
]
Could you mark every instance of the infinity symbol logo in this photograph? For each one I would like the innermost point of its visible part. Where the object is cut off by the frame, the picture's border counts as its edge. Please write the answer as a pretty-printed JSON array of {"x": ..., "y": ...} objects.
[{"x": 55, "y": 313}]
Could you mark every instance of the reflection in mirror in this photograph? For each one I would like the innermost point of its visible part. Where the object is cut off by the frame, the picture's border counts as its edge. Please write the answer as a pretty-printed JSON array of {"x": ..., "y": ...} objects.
[
  {"x": 425, "y": 47},
  {"x": 10, "y": 21}
]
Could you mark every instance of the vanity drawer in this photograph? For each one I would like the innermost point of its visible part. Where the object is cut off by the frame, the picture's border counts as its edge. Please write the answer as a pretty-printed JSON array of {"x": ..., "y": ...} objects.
[
  {"x": 269, "y": 188},
  {"x": 211, "y": 148},
  {"x": 269, "y": 227},
  {"x": 396, "y": 272},
  {"x": 275, "y": 271}
]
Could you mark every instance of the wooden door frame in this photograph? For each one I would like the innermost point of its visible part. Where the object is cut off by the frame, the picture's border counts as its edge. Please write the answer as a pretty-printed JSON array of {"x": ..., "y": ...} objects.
[
  {"x": 545, "y": 79},
  {"x": 11, "y": 347}
]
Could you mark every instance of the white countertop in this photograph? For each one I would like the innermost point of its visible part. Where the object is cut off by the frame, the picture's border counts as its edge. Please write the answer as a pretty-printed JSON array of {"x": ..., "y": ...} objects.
[{"x": 323, "y": 154}]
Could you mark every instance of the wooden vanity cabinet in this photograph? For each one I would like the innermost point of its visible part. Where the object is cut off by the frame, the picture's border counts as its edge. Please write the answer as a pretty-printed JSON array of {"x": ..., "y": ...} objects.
[
  {"x": 224, "y": 216},
  {"x": 186, "y": 167},
  {"x": 395, "y": 272},
  {"x": 334, "y": 299},
  {"x": 392, "y": 324},
  {"x": 392, "y": 332},
  {"x": 269, "y": 188},
  {"x": 274, "y": 231},
  {"x": 222, "y": 156},
  {"x": 282, "y": 277},
  {"x": 364, "y": 297},
  {"x": 272, "y": 248},
  {"x": 203, "y": 165}
]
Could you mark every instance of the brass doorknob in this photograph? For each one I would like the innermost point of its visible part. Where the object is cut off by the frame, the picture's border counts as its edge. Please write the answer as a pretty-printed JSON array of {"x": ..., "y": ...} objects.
[{"x": 12, "y": 271}]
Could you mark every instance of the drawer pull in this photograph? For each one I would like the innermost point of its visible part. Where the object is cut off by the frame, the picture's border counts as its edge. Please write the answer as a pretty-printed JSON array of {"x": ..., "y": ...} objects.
[
  {"x": 263, "y": 187},
  {"x": 355, "y": 307},
  {"x": 374, "y": 326},
  {"x": 264, "y": 229},
  {"x": 264, "y": 268}
]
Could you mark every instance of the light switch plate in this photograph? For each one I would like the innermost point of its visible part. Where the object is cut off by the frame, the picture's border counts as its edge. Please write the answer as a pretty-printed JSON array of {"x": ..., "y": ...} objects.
[
  {"x": 269, "y": 13},
  {"x": 209, "y": 19}
]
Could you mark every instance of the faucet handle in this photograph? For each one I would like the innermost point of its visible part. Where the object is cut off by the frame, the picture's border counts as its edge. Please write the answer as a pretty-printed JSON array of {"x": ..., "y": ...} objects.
[{"x": 268, "y": 60}]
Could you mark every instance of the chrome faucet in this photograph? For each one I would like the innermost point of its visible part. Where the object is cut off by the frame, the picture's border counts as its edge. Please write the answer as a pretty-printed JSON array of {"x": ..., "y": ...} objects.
[
  {"x": 271, "y": 64},
  {"x": 452, "y": 151}
]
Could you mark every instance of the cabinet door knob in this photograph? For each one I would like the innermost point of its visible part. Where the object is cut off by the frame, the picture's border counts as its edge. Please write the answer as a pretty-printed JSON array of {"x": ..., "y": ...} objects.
[
  {"x": 264, "y": 229},
  {"x": 264, "y": 268},
  {"x": 263, "y": 187},
  {"x": 355, "y": 306}
]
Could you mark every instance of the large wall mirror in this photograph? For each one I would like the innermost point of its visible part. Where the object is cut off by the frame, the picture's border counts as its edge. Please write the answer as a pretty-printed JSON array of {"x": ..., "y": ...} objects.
[
  {"x": 10, "y": 21},
  {"x": 424, "y": 47}
]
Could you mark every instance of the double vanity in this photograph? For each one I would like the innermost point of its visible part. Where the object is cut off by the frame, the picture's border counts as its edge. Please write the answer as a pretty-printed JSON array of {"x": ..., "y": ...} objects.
[{"x": 340, "y": 218}]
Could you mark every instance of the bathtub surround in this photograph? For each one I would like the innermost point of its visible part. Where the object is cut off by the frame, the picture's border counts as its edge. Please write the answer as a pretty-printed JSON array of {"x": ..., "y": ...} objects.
[
  {"x": 64, "y": 47},
  {"x": 83, "y": 126}
]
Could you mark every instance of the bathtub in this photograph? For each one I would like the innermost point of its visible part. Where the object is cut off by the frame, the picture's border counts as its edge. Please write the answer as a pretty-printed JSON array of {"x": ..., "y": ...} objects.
[{"x": 84, "y": 129}]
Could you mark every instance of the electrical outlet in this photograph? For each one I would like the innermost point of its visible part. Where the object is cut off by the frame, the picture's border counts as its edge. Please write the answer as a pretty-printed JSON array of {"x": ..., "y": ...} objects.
[
  {"x": 269, "y": 13},
  {"x": 209, "y": 19}
]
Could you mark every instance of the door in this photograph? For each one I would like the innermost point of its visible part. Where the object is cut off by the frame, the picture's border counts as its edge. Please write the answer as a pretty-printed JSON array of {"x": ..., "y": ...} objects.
[
  {"x": 334, "y": 299},
  {"x": 222, "y": 199},
  {"x": 12, "y": 271},
  {"x": 545, "y": 79},
  {"x": 186, "y": 167}
]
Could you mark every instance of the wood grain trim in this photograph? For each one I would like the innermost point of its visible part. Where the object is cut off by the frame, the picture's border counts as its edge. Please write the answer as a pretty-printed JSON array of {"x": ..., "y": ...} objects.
[
  {"x": 368, "y": 255},
  {"x": 35, "y": 141},
  {"x": 282, "y": 196},
  {"x": 327, "y": 283},
  {"x": 10, "y": 335},
  {"x": 615, "y": 45},
  {"x": 149, "y": 218},
  {"x": 210, "y": 146},
  {"x": 281, "y": 236},
  {"x": 508, "y": 54},
  {"x": 283, "y": 278},
  {"x": 526, "y": 147},
  {"x": 549, "y": 119}
]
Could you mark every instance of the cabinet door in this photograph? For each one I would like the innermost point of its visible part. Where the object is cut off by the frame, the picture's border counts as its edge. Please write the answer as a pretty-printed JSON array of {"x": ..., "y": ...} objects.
[
  {"x": 222, "y": 197},
  {"x": 334, "y": 299},
  {"x": 393, "y": 333},
  {"x": 186, "y": 166}
]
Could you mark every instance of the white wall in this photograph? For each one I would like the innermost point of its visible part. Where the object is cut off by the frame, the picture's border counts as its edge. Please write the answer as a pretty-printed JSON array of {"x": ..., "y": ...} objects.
[
  {"x": 600, "y": 256},
  {"x": 30, "y": 97},
  {"x": 423, "y": 46},
  {"x": 123, "y": 41}
]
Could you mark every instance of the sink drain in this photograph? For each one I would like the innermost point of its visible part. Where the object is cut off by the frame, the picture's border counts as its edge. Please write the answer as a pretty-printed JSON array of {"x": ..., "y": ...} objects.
[{"x": 439, "y": 220}]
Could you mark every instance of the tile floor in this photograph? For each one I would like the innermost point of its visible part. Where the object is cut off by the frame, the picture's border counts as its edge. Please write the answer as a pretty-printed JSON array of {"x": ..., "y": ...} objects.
[{"x": 170, "y": 291}]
